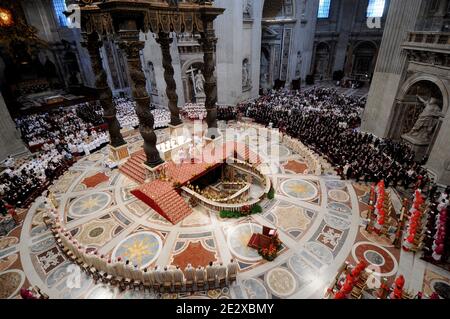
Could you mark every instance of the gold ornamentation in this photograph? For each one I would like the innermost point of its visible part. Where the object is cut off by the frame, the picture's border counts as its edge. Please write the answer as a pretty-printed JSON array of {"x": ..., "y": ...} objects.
[
  {"x": 139, "y": 249},
  {"x": 6, "y": 18}
]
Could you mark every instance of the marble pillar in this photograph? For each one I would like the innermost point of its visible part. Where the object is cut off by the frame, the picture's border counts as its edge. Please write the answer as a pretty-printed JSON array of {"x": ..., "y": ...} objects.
[
  {"x": 390, "y": 67},
  {"x": 164, "y": 41},
  {"x": 93, "y": 44},
  {"x": 132, "y": 46},
  {"x": 208, "y": 42},
  {"x": 439, "y": 160},
  {"x": 348, "y": 9},
  {"x": 9, "y": 136}
]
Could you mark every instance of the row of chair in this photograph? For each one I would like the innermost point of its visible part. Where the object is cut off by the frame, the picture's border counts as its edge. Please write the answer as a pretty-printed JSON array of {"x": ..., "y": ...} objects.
[{"x": 126, "y": 276}]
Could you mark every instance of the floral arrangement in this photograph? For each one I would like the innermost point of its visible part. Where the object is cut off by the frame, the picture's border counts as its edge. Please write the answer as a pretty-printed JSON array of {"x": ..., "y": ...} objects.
[
  {"x": 271, "y": 252},
  {"x": 245, "y": 211}
]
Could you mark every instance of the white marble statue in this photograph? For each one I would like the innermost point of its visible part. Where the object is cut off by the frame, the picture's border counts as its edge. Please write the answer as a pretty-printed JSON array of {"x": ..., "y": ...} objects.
[
  {"x": 426, "y": 123},
  {"x": 246, "y": 79},
  {"x": 199, "y": 82},
  {"x": 247, "y": 8}
]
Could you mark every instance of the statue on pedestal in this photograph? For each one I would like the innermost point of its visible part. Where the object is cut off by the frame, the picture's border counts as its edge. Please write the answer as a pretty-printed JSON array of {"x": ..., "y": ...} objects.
[
  {"x": 424, "y": 128},
  {"x": 199, "y": 82},
  {"x": 247, "y": 9}
]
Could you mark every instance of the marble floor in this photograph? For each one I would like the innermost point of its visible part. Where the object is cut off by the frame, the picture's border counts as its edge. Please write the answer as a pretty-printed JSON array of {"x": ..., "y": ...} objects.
[{"x": 319, "y": 219}]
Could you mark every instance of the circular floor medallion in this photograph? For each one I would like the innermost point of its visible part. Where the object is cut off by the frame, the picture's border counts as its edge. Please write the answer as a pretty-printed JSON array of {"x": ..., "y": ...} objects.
[
  {"x": 299, "y": 189},
  {"x": 281, "y": 282},
  {"x": 10, "y": 282},
  {"x": 380, "y": 260},
  {"x": 141, "y": 248},
  {"x": 238, "y": 239},
  {"x": 374, "y": 258},
  {"x": 96, "y": 232},
  {"x": 89, "y": 204},
  {"x": 338, "y": 195}
]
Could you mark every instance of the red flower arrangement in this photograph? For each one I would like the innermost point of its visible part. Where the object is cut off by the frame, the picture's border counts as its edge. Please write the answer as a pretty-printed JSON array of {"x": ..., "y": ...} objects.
[
  {"x": 271, "y": 253},
  {"x": 245, "y": 210}
]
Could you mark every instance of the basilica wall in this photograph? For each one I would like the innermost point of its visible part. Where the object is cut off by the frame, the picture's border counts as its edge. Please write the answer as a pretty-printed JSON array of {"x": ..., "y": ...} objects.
[
  {"x": 238, "y": 31},
  {"x": 65, "y": 50},
  {"x": 9, "y": 136},
  {"x": 409, "y": 97},
  {"x": 151, "y": 57},
  {"x": 346, "y": 40}
]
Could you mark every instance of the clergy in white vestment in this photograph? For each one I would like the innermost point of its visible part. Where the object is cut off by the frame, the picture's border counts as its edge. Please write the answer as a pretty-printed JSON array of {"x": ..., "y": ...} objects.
[
  {"x": 232, "y": 268},
  {"x": 149, "y": 277},
  {"x": 200, "y": 274},
  {"x": 159, "y": 275},
  {"x": 168, "y": 275},
  {"x": 189, "y": 273},
  {"x": 210, "y": 272},
  {"x": 178, "y": 276}
]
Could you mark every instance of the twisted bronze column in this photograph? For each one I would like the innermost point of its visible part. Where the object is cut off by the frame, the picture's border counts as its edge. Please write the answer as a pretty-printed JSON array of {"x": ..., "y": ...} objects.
[
  {"x": 171, "y": 87},
  {"x": 93, "y": 44},
  {"x": 208, "y": 42},
  {"x": 131, "y": 45}
]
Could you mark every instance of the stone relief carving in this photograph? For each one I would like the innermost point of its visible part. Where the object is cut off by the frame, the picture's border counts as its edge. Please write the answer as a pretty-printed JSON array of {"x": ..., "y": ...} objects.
[{"x": 248, "y": 8}]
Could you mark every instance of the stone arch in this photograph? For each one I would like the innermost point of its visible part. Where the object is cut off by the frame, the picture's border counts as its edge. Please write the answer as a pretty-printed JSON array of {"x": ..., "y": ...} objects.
[
  {"x": 322, "y": 59},
  {"x": 185, "y": 78},
  {"x": 414, "y": 79},
  {"x": 408, "y": 109},
  {"x": 364, "y": 57},
  {"x": 272, "y": 9}
]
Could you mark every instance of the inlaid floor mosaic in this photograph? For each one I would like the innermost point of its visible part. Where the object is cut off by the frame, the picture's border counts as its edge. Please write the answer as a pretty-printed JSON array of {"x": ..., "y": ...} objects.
[{"x": 318, "y": 219}]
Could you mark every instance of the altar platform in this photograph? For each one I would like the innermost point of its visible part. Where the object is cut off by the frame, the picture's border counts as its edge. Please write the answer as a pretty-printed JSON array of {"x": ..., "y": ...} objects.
[{"x": 162, "y": 193}]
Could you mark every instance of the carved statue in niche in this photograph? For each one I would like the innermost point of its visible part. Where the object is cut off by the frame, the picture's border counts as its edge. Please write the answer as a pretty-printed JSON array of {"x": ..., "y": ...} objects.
[
  {"x": 246, "y": 74},
  {"x": 150, "y": 72},
  {"x": 425, "y": 125},
  {"x": 199, "y": 82},
  {"x": 247, "y": 11},
  {"x": 298, "y": 68}
]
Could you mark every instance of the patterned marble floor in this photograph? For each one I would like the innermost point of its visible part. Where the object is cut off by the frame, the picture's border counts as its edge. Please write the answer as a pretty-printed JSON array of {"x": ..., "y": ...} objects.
[{"x": 319, "y": 220}]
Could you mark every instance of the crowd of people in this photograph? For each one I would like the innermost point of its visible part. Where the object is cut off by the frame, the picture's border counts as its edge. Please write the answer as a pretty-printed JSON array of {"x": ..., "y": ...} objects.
[
  {"x": 56, "y": 139},
  {"x": 328, "y": 122},
  {"x": 127, "y": 117},
  {"x": 436, "y": 243},
  {"x": 91, "y": 112},
  {"x": 21, "y": 183},
  {"x": 73, "y": 125},
  {"x": 194, "y": 111},
  {"x": 226, "y": 113},
  {"x": 60, "y": 126}
]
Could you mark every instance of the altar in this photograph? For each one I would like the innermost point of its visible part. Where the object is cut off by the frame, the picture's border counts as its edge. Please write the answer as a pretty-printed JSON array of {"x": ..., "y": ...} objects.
[{"x": 168, "y": 149}]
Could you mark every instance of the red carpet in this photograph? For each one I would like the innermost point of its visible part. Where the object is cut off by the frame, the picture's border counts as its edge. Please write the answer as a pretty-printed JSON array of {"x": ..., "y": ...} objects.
[
  {"x": 95, "y": 180},
  {"x": 162, "y": 196}
]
